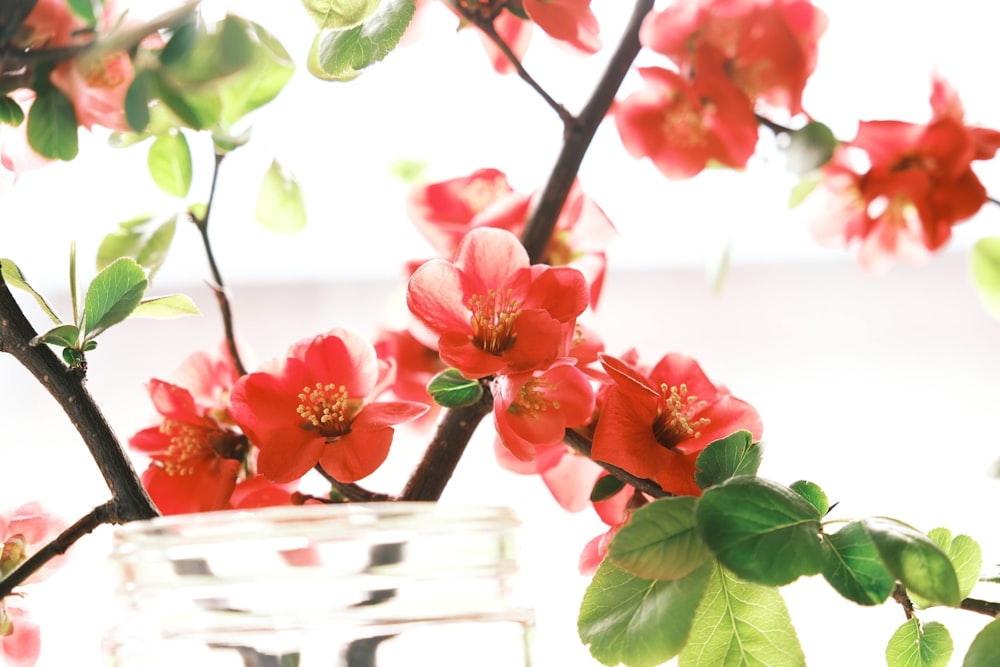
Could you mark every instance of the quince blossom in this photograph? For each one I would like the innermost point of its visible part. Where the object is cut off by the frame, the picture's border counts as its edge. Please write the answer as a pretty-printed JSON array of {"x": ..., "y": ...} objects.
[
  {"x": 317, "y": 407},
  {"x": 654, "y": 425},
  {"x": 492, "y": 311}
]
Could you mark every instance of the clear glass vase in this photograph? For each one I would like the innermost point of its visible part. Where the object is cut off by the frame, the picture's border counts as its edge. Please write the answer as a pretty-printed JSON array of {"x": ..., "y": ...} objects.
[{"x": 353, "y": 585}]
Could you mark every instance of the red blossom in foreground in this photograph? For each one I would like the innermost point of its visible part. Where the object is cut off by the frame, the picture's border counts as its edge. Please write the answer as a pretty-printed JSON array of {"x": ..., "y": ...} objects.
[
  {"x": 415, "y": 365},
  {"x": 918, "y": 185},
  {"x": 614, "y": 512},
  {"x": 317, "y": 408},
  {"x": 654, "y": 426},
  {"x": 682, "y": 125},
  {"x": 492, "y": 311},
  {"x": 535, "y": 408}
]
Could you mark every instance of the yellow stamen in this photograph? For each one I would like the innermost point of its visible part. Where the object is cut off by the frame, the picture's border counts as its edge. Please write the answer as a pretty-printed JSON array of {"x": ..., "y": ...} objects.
[
  {"x": 327, "y": 409},
  {"x": 675, "y": 418},
  {"x": 493, "y": 317}
]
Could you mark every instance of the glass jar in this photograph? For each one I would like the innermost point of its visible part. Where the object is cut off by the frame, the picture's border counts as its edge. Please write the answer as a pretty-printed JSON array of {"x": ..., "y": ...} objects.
[{"x": 352, "y": 585}]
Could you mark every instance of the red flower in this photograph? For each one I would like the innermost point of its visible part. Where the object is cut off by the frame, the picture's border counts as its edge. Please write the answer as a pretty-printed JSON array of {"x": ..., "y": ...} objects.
[
  {"x": 195, "y": 457},
  {"x": 415, "y": 364},
  {"x": 655, "y": 426},
  {"x": 316, "y": 409},
  {"x": 20, "y": 636},
  {"x": 767, "y": 48},
  {"x": 681, "y": 124},
  {"x": 536, "y": 408},
  {"x": 918, "y": 185},
  {"x": 491, "y": 310},
  {"x": 570, "y": 22}
]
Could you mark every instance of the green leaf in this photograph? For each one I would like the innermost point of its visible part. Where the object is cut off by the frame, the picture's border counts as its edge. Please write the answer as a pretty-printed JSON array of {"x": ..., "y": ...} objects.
[
  {"x": 280, "y": 207},
  {"x": 84, "y": 9},
  {"x": 450, "y": 389},
  {"x": 260, "y": 80},
  {"x": 212, "y": 53},
  {"x": 339, "y": 14},
  {"x": 916, "y": 645},
  {"x": 137, "y": 100},
  {"x": 64, "y": 335},
  {"x": 810, "y": 148},
  {"x": 180, "y": 43},
  {"x": 14, "y": 278},
  {"x": 169, "y": 162},
  {"x": 112, "y": 296},
  {"x": 966, "y": 557},
  {"x": 639, "y": 622},
  {"x": 407, "y": 170},
  {"x": 986, "y": 272},
  {"x": 985, "y": 648},
  {"x": 660, "y": 540},
  {"x": 804, "y": 188},
  {"x": 741, "y": 624},
  {"x": 166, "y": 307},
  {"x": 52, "y": 125},
  {"x": 764, "y": 532},
  {"x": 605, "y": 487},
  {"x": 341, "y": 54},
  {"x": 915, "y": 560},
  {"x": 852, "y": 565},
  {"x": 813, "y": 494},
  {"x": 144, "y": 239},
  {"x": 10, "y": 112},
  {"x": 736, "y": 454},
  {"x": 196, "y": 112}
]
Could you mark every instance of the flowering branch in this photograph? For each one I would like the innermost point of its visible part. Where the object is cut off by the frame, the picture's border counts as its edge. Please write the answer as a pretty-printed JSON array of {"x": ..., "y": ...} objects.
[
  {"x": 59, "y": 545},
  {"x": 582, "y": 445},
  {"x": 129, "y": 499},
  {"x": 542, "y": 219}
]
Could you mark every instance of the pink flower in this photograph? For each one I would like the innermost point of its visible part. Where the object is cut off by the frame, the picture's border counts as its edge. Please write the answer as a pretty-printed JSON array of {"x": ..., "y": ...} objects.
[
  {"x": 318, "y": 408},
  {"x": 491, "y": 310},
  {"x": 20, "y": 636},
  {"x": 567, "y": 21}
]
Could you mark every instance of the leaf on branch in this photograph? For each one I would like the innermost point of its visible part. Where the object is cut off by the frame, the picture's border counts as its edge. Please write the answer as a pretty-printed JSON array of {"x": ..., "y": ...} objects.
[
  {"x": 339, "y": 14},
  {"x": 736, "y": 454},
  {"x": 985, "y": 260},
  {"x": 10, "y": 112},
  {"x": 915, "y": 560},
  {"x": 64, "y": 335},
  {"x": 740, "y": 623},
  {"x": 639, "y": 622},
  {"x": 966, "y": 557},
  {"x": 764, "y": 532},
  {"x": 340, "y": 55},
  {"x": 169, "y": 162},
  {"x": 810, "y": 148},
  {"x": 144, "y": 239},
  {"x": 853, "y": 567},
  {"x": 13, "y": 277},
  {"x": 985, "y": 648},
  {"x": 451, "y": 389},
  {"x": 605, "y": 487},
  {"x": 660, "y": 540},
  {"x": 919, "y": 645},
  {"x": 166, "y": 307},
  {"x": 52, "y": 124},
  {"x": 112, "y": 296},
  {"x": 280, "y": 205},
  {"x": 813, "y": 494}
]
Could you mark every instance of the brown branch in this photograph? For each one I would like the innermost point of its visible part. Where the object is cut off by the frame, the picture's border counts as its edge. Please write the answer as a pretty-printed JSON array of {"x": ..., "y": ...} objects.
[
  {"x": 900, "y": 595},
  {"x": 353, "y": 492},
  {"x": 981, "y": 606},
  {"x": 130, "y": 501},
  {"x": 582, "y": 445},
  {"x": 99, "y": 515},
  {"x": 428, "y": 480},
  {"x": 542, "y": 219}
]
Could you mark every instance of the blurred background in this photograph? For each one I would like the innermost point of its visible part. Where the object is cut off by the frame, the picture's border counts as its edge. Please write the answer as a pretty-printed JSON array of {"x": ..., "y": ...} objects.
[{"x": 881, "y": 389}]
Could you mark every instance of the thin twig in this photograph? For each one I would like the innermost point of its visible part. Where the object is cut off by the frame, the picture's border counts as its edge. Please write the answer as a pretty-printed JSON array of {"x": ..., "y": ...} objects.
[
  {"x": 775, "y": 127},
  {"x": 354, "y": 492},
  {"x": 99, "y": 515},
  {"x": 218, "y": 287},
  {"x": 582, "y": 445},
  {"x": 542, "y": 219}
]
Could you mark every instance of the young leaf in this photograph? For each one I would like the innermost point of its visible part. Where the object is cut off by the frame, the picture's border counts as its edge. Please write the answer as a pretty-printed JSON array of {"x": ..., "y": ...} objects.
[
  {"x": 605, "y": 487},
  {"x": 52, "y": 125},
  {"x": 966, "y": 557},
  {"x": 813, "y": 494},
  {"x": 341, "y": 54},
  {"x": 985, "y": 648},
  {"x": 169, "y": 162},
  {"x": 451, "y": 390},
  {"x": 10, "y": 112},
  {"x": 14, "y": 278},
  {"x": 339, "y": 14},
  {"x": 739, "y": 623},
  {"x": 137, "y": 100},
  {"x": 852, "y": 565},
  {"x": 764, "y": 532},
  {"x": 64, "y": 335},
  {"x": 140, "y": 238},
  {"x": 639, "y": 622},
  {"x": 84, "y": 9},
  {"x": 280, "y": 207},
  {"x": 804, "y": 188},
  {"x": 915, "y": 560},
  {"x": 260, "y": 80},
  {"x": 916, "y": 645},
  {"x": 810, "y": 148},
  {"x": 166, "y": 307},
  {"x": 736, "y": 454},
  {"x": 112, "y": 296},
  {"x": 986, "y": 272},
  {"x": 660, "y": 540}
]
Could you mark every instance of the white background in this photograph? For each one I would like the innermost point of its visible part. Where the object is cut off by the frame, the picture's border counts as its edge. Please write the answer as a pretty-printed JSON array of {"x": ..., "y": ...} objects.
[{"x": 881, "y": 389}]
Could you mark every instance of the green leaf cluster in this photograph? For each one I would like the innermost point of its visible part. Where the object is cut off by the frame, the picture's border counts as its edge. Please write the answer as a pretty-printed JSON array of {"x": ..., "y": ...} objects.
[
  {"x": 697, "y": 577},
  {"x": 354, "y": 34}
]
